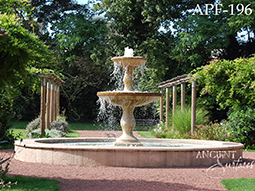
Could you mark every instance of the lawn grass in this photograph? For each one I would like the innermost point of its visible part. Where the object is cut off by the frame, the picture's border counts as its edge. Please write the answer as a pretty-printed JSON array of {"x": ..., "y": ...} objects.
[
  {"x": 29, "y": 184},
  {"x": 72, "y": 134},
  {"x": 82, "y": 126},
  {"x": 146, "y": 134},
  {"x": 86, "y": 126},
  {"x": 249, "y": 150},
  {"x": 242, "y": 184},
  {"x": 19, "y": 133},
  {"x": 19, "y": 124}
]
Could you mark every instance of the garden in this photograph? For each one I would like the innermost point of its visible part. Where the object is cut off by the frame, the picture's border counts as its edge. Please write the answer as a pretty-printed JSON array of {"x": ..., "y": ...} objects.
[{"x": 77, "y": 43}]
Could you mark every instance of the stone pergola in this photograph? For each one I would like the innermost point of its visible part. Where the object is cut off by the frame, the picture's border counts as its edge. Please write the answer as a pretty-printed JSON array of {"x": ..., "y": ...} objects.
[
  {"x": 50, "y": 99},
  {"x": 3, "y": 34},
  {"x": 179, "y": 80}
]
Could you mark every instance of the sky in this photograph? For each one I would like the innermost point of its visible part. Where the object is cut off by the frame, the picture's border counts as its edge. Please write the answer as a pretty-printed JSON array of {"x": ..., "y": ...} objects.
[{"x": 82, "y": 1}]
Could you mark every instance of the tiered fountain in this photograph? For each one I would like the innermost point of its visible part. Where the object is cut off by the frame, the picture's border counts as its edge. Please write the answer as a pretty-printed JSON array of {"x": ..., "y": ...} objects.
[
  {"x": 128, "y": 99},
  {"x": 127, "y": 150}
]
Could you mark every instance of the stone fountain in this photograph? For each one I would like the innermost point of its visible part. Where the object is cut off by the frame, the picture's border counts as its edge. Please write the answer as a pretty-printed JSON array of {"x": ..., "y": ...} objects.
[
  {"x": 96, "y": 151},
  {"x": 128, "y": 99}
]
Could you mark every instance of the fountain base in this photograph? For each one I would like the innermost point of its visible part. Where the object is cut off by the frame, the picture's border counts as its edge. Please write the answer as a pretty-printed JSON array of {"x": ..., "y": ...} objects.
[
  {"x": 172, "y": 153},
  {"x": 127, "y": 140}
]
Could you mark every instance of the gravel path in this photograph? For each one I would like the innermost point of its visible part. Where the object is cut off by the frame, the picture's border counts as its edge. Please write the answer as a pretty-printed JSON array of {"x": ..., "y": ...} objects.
[{"x": 79, "y": 178}]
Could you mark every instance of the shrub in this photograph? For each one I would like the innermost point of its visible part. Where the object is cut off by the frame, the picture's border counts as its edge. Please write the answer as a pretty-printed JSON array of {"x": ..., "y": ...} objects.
[
  {"x": 212, "y": 131},
  {"x": 6, "y": 107},
  {"x": 61, "y": 117},
  {"x": 241, "y": 123},
  {"x": 4, "y": 168},
  {"x": 162, "y": 132},
  {"x": 34, "y": 134},
  {"x": 182, "y": 119},
  {"x": 54, "y": 133},
  {"x": 59, "y": 125},
  {"x": 57, "y": 129},
  {"x": 231, "y": 82},
  {"x": 33, "y": 125},
  {"x": 182, "y": 124}
]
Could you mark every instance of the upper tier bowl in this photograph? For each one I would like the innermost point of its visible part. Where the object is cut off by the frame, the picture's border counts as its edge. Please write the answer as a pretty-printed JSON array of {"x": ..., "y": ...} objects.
[
  {"x": 128, "y": 98},
  {"x": 129, "y": 61}
]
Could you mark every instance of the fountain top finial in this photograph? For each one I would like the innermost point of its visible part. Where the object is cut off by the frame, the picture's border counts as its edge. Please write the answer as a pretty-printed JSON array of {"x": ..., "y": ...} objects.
[{"x": 129, "y": 52}]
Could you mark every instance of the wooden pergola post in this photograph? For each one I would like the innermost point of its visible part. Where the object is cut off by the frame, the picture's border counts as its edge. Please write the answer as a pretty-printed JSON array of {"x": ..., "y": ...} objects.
[
  {"x": 174, "y": 102},
  {"x": 43, "y": 106},
  {"x": 48, "y": 105},
  {"x": 161, "y": 106},
  {"x": 167, "y": 106},
  {"x": 182, "y": 96},
  {"x": 51, "y": 101},
  {"x": 193, "y": 107},
  {"x": 57, "y": 100},
  {"x": 55, "y": 103},
  {"x": 174, "y": 98}
]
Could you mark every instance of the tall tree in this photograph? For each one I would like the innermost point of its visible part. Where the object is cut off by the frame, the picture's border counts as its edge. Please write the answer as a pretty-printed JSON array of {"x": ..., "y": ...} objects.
[
  {"x": 21, "y": 48},
  {"x": 51, "y": 12},
  {"x": 81, "y": 58},
  {"x": 19, "y": 52},
  {"x": 207, "y": 32},
  {"x": 138, "y": 24}
]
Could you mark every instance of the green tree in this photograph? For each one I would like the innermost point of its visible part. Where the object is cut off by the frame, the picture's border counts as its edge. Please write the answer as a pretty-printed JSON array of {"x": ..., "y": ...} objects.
[
  {"x": 81, "y": 58},
  {"x": 19, "y": 52},
  {"x": 49, "y": 12},
  {"x": 231, "y": 82},
  {"x": 199, "y": 38},
  {"x": 202, "y": 36},
  {"x": 146, "y": 27}
]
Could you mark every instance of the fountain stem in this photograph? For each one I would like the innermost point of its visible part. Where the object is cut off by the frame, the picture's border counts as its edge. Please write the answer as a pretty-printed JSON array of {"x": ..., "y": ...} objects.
[
  {"x": 128, "y": 78},
  {"x": 127, "y": 123}
]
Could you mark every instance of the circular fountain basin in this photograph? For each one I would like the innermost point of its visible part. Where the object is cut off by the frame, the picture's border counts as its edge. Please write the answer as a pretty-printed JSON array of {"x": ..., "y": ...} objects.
[
  {"x": 122, "y": 98},
  {"x": 100, "y": 151}
]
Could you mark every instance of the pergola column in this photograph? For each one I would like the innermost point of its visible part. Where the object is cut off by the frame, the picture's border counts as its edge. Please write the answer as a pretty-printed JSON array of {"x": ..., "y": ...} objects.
[
  {"x": 167, "y": 106},
  {"x": 193, "y": 107},
  {"x": 51, "y": 101},
  {"x": 57, "y": 101},
  {"x": 43, "y": 107},
  {"x": 182, "y": 96},
  {"x": 174, "y": 102},
  {"x": 174, "y": 98},
  {"x": 161, "y": 105},
  {"x": 48, "y": 110}
]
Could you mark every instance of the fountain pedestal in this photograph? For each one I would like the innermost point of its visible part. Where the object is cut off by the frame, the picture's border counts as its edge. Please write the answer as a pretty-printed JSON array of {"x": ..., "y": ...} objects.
[
  {"x": 127, "y": 123},
  {"x": 128, "y": 100}
]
